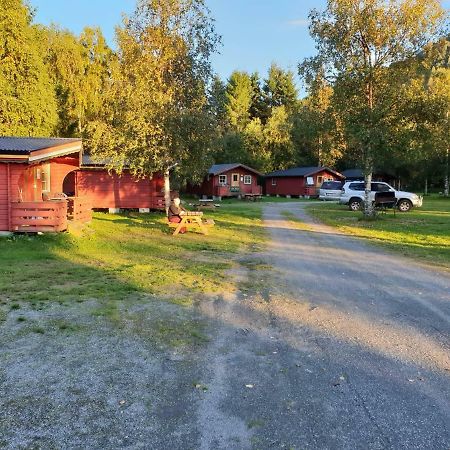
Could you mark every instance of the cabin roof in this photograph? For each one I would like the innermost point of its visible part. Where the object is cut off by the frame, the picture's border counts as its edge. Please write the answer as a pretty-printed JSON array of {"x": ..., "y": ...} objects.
[
  {"x": 31, "y": 149},
  {"x": 301, "y": 172},
  {"x": 89, "y": 161},
  {"x": 27, "y": 145},
  {"x": 217, "y": 169}
]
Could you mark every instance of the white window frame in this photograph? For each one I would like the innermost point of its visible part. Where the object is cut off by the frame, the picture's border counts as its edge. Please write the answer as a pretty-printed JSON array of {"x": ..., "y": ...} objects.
[
  {"x": 274, "y": 181},
  {"x": 247, "y": 179},
  {"x": 221, "y": 178},
  {"x": 43, "y": 174}
]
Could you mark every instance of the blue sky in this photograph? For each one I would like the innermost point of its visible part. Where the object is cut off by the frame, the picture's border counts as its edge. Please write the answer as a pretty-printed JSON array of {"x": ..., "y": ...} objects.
[{"x": 255, "y": 33}]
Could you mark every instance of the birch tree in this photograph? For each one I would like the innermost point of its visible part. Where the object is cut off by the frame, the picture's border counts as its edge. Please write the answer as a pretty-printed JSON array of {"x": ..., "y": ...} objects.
[
  {"x": 156, "y": 113},
  {"x": 363, "y": 45}
]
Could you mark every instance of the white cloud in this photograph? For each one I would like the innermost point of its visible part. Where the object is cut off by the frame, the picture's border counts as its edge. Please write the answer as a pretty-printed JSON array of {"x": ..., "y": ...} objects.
[{"x": 298, "y": 22}]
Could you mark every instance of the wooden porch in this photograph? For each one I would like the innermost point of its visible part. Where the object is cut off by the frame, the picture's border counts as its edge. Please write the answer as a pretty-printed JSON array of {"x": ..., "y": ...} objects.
[
  {"x": 48, "y": 216},
  {"x": 235, "y": 191}
]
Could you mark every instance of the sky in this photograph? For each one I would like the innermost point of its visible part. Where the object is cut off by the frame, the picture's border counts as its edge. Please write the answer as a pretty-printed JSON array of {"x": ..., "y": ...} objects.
[{"x": 254, "y": 33}]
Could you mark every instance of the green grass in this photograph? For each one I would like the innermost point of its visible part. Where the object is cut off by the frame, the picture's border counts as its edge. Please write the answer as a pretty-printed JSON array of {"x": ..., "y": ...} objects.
[
  {"x": 423, "y": 233},
  {"x": 124, "y": 258}
]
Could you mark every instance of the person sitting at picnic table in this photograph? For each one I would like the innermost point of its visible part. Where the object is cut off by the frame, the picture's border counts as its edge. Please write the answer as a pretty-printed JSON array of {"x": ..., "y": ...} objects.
[{"x": 176, "y": 211}]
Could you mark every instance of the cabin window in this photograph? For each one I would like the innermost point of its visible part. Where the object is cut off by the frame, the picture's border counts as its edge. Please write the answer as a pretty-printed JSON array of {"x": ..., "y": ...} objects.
[
  {"x": 43, "y": 174},
  {"x": 274, "y": 181},
  {"x": 222, "y": 180},
  {"x": 247, "y": 179}
]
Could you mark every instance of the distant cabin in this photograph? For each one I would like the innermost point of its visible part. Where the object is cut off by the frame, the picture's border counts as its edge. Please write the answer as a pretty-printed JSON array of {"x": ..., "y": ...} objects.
[
  {"x": 33, "y": 173},
  {"x": 228, "y": 180},
  {"x": 299, "y": 181},
  {"x": 109, "y": 190}
]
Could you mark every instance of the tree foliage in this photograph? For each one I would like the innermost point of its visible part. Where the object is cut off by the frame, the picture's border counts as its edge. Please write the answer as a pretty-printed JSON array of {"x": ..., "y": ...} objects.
[
  {"x": 156, "y": 111},
  {"x": 364, "y": 48},
  {"x": 27, "y": 97}
]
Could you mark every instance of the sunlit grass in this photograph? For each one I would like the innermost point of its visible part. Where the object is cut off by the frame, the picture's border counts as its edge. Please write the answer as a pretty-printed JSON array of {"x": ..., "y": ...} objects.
[
  {"x": 423, "y": 233},
  {"x": 121, "y": 263},
  {"x": 119, "y": 255}
]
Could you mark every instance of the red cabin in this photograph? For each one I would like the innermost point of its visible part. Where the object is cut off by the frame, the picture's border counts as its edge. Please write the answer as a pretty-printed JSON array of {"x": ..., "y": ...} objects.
[
  {"x": 299, "y": 181},
  {"x": 33, "y": 172},
  {"x": 108, "y": 190},
  {"x": 229, "y": 180}
]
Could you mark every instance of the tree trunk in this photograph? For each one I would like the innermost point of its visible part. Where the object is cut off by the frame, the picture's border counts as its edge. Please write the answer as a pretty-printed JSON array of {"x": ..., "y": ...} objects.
[
  {"x": 320, "y": 151},
  {"x": 446, "y": 180},
  {"x": 368, "y": 207},
  {"x": 426, "y": 186},
  {"x": 167, "y": 190}
]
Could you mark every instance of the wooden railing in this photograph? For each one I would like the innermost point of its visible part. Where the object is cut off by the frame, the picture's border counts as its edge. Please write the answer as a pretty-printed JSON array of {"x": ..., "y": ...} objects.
[
  {"x": 224, "y": 191},
  {"x": 79, "y": 209},
  {"x": 39, "y": 216}
]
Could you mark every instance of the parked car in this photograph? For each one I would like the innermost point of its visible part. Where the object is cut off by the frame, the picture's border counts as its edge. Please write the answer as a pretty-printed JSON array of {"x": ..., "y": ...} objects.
[
  {"x": 330, "y": 190},
  {"x": 352, "y": 194}
]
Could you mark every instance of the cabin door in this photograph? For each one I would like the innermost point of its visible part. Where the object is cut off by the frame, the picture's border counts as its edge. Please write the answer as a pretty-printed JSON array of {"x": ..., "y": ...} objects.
[
  {"x": 41, "y": 182},
  {"x": 235, "y": 180}
]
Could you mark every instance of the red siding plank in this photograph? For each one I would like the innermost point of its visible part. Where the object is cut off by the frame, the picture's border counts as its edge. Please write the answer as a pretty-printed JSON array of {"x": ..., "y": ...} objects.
[{"x": 105, "y": 190}]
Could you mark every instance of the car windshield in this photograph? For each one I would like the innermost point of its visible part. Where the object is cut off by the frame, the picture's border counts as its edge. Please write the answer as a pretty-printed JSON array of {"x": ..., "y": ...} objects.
[{"x": 331, "y": 185}]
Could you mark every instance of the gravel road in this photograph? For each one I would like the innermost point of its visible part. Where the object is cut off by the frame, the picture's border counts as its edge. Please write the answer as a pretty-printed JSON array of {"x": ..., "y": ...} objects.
[
  {"x": 349, "y": 349},
  {"x": 328, "y": 344}
]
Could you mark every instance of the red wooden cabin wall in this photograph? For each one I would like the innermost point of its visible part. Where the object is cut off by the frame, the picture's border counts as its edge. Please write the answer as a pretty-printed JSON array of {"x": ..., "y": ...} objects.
[
  {"x": 105, "y": 190},
  {"x": 286, "y": 186},
  {"x": 59, "y": 169}
]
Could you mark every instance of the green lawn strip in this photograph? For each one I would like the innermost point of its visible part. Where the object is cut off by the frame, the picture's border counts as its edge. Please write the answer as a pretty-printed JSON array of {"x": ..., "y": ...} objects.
[
  {"x": 423, "y": 233},
  {"x": 121, "y": 260}
]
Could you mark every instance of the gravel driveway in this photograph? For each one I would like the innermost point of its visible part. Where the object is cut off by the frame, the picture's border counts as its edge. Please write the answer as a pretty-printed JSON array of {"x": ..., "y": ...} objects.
[{"x": 328, "y": 344}]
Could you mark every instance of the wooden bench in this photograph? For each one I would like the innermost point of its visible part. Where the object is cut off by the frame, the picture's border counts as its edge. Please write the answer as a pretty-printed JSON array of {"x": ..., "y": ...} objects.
[
  {"x": 205, "y": 203},
  {"x": 191, "y": 220},
  {"x": 253, "y": 197},
  {"x": 384, "y": 201}
]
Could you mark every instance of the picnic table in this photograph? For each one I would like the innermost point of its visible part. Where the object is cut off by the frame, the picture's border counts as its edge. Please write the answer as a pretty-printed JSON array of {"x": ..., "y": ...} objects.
[
  {"x": 253, "y": 197},
  {"x": 205, "y": 203},
  {"x": 191, "y": 219}
]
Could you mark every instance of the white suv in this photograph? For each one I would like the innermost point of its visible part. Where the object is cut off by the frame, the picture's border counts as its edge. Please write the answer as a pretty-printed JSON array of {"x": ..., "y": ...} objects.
[{"x": 353, "y": 195}]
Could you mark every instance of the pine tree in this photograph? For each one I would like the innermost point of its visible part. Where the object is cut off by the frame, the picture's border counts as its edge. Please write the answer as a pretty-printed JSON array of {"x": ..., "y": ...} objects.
[
  {"x": 258, "y": 108},
  {"x": 279, "y": 89},
  {"x": 239, "y": 100}
]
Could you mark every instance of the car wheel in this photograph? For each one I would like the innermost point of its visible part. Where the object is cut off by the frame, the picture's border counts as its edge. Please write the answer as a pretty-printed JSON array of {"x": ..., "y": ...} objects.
[
  {"x": 355, "y": 204},
  {"x": 404, "y": 205}
]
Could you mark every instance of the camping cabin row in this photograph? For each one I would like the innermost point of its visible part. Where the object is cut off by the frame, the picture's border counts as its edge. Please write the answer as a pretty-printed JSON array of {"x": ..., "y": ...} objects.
[
  {"x": 44, "y": 184},
  {"x": 238, "y": 180}
]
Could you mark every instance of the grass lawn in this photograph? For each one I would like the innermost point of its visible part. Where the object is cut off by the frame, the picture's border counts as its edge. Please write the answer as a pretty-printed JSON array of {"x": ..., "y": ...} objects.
[
  {"x": 423, "y": 233},
  {"x": 120, "y": 260}
]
